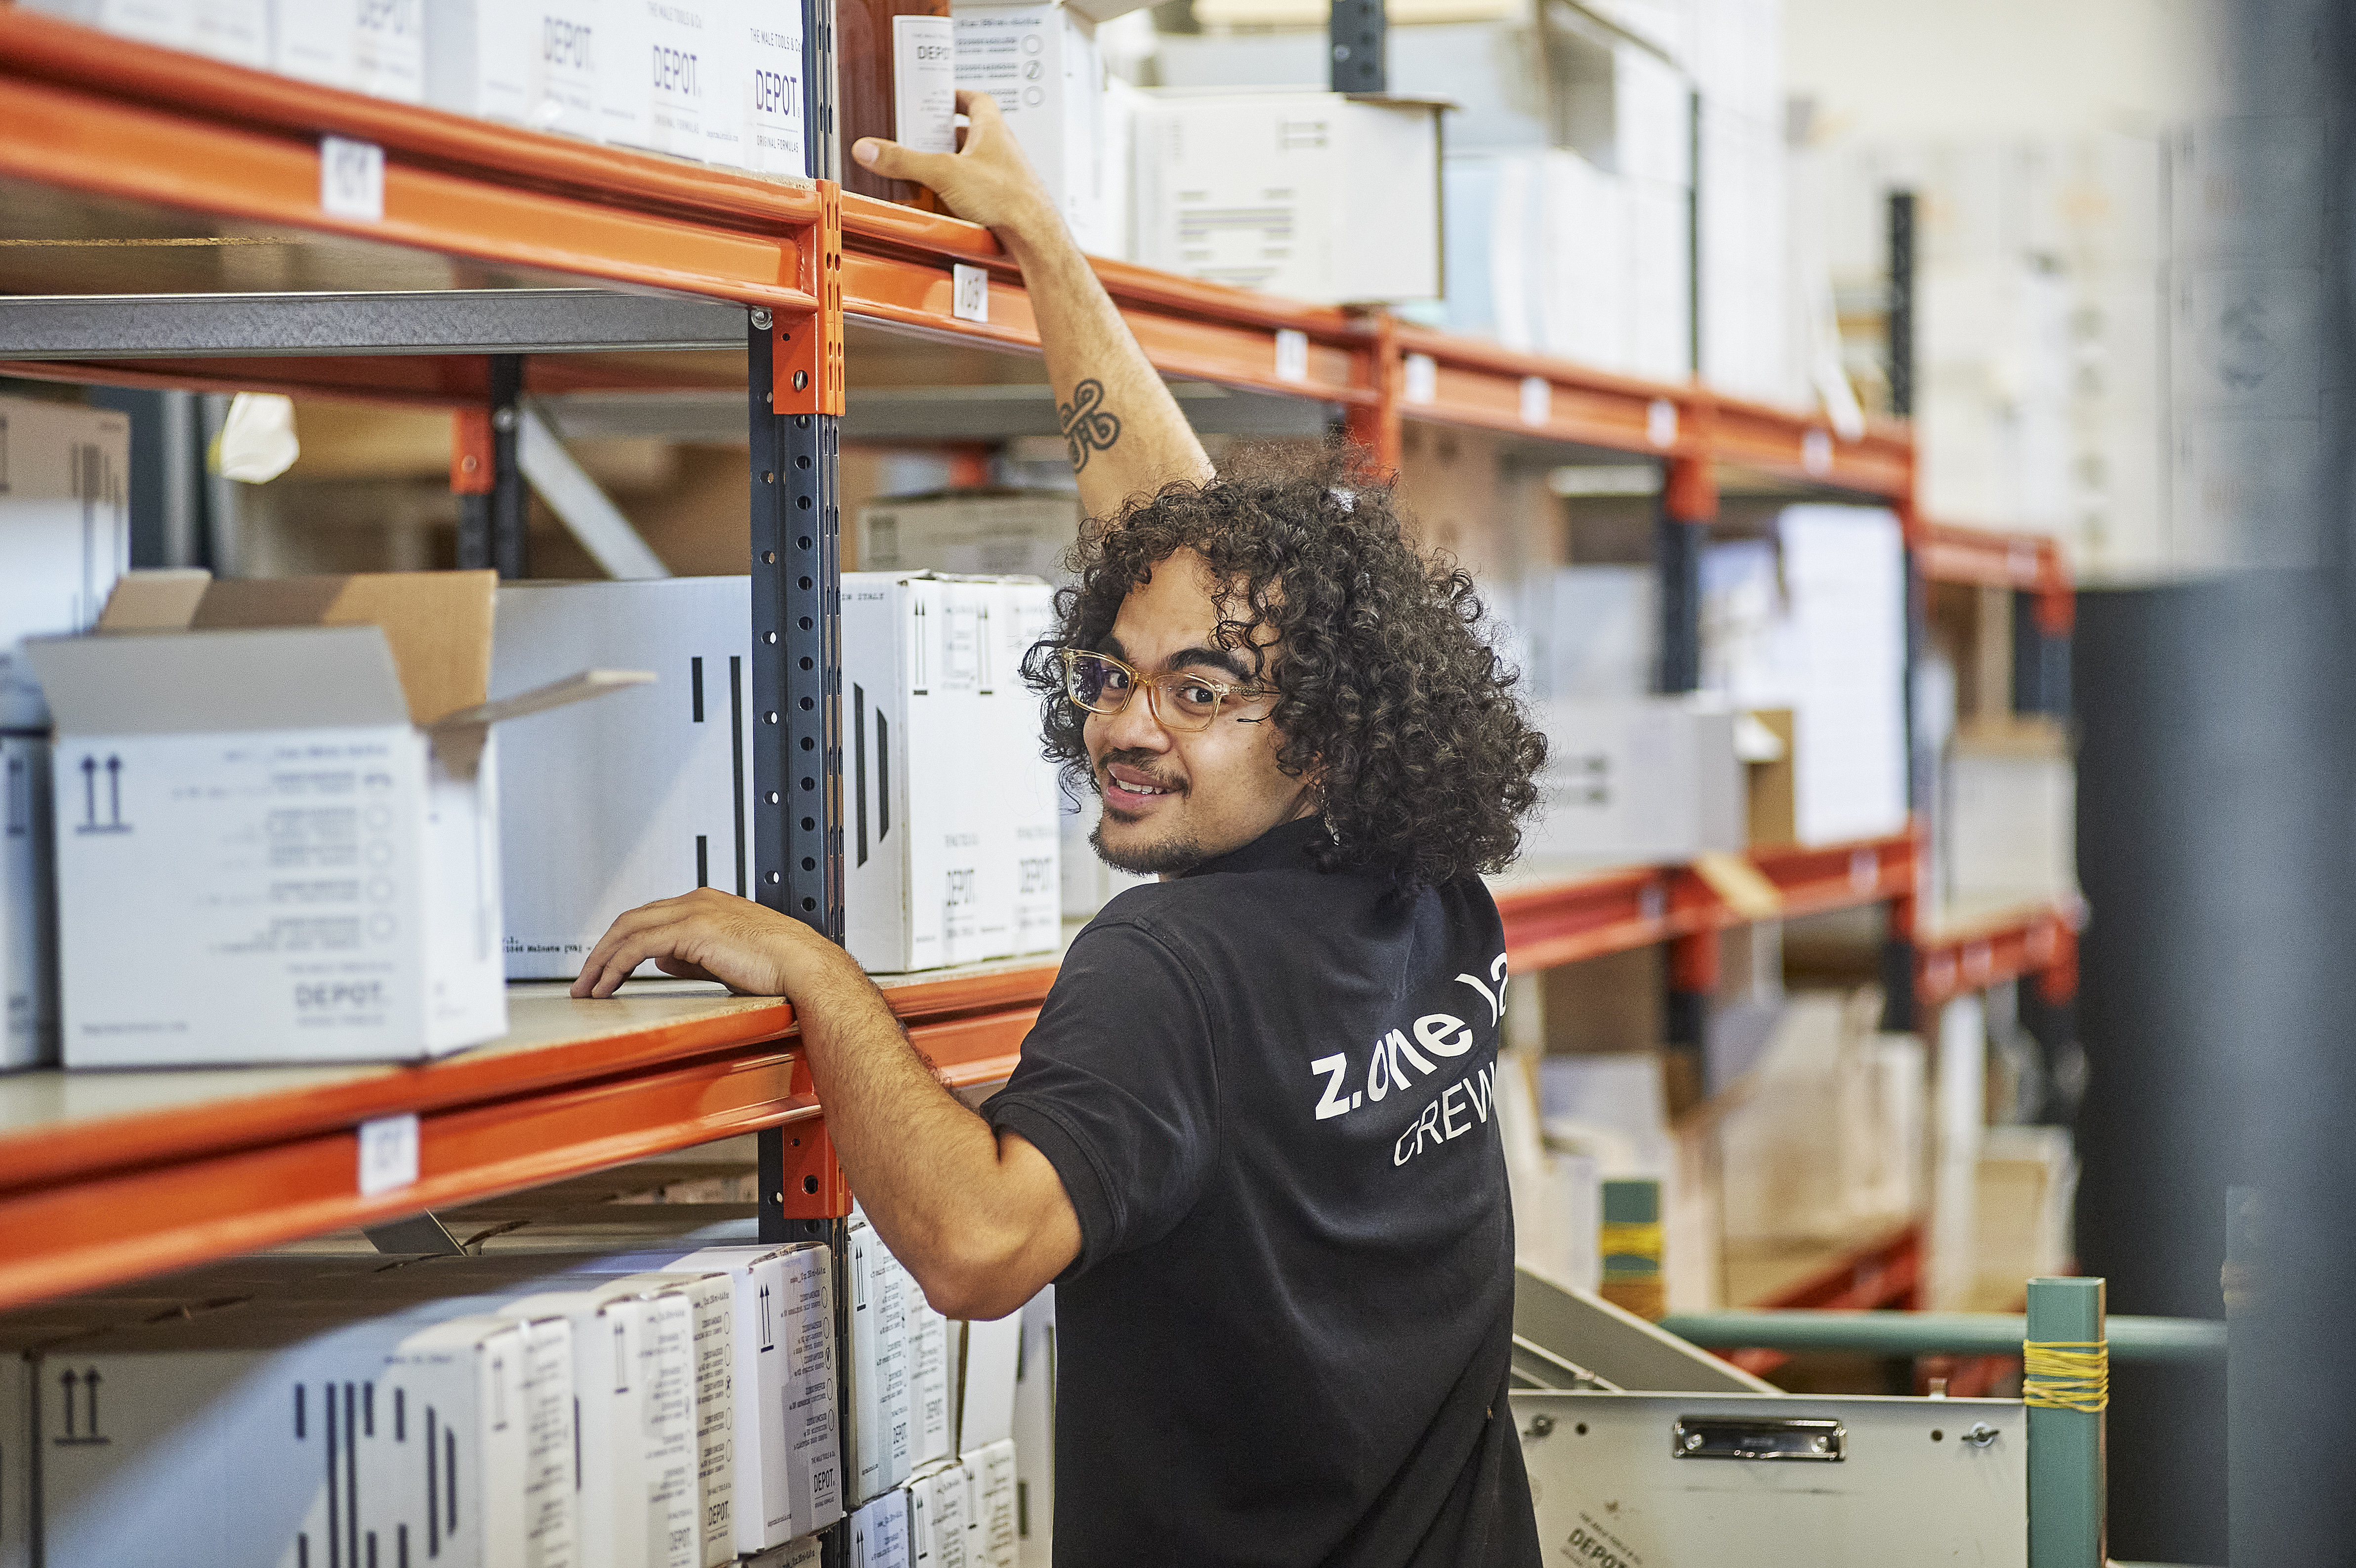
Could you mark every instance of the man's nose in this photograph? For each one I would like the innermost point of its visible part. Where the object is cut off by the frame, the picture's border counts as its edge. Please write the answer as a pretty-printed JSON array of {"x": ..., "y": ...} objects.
[{"x": 1135, "y": 727}]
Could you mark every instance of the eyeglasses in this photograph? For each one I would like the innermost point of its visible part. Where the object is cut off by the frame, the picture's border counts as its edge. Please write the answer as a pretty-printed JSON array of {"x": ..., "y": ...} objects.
[{"x": 1103, "y": 684}]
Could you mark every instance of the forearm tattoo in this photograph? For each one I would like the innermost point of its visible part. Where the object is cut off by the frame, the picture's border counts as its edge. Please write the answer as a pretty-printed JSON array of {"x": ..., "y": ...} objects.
[{"x": 1088, "y": 426}]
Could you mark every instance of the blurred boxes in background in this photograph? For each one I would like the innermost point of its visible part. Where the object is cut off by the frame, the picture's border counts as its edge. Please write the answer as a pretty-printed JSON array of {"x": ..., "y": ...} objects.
[
  {"x": 529, "y": 62},
  {"x": 1039, "y": 59},
  {"x": 645, "y": 797},
  {"x": 236, "y": 31},
  {"x": 2009, "y": 829},
  {"x": 983, "y": 533},
  {"x": 336, "y": 723},
  {"x": 1638, "y": 782},
  {"x": 65, "y": 526},
  {"x": 374, "y": 47},
  {"x": 29, "y": 929},
  {"x": 1315, "y": 196},
  {"x": 2028, "y": 1188}
]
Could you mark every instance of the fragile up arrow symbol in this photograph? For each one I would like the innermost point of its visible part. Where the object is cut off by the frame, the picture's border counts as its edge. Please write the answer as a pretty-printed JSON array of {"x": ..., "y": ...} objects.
[
  {"x": 89, "y": 792},
  {"x": 114, "y": 795},
  {"x": 68, "y": 1380}
]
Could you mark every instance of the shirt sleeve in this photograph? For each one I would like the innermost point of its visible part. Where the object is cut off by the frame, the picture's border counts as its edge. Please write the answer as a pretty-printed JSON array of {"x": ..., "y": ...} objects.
[{"x": 1118, "y": 1087}]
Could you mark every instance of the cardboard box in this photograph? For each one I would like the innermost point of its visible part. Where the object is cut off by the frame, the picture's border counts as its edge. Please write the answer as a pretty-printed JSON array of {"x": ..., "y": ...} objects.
[
  {"x": 643, "y": 797},
  {"x": 1035, "y": 1433},
  {"x": 1038, "y": 58},
  {"x": 216, "y": 1434},
  {"x": 506, "y": 1386},
  {"x": 993, "y": 1513},
  {"x": 920, "y": 860},
  {"x": 1088, "y": 883},
  {"x": 766, "y": 53},
  {"x": 701, "y": 1306},
  {"x": 985, "y": 532},
  {"x": 1030, "y": 794},
  {"x": 288, "y": 813},
  {"x": 28, "y": 933},
  {"x": 530, "y": 62},
  {"x": 375, "y": 46},
  {"x": 633, "y": 1481},
  {"x": 879, "y": 1533},
  {"x": 882, "y": 1397},
  {"x": 234, "y": 30},
  {"x": 988, "y": 1355},
  {"x": 1770, "y": 782},
  {"x": 65, "y": 532},
  {"x": 2009, "y": 827},
  {"x": 1644, "y": 782},
  {"x": 941, "y": 1503},
  {"x": 787, "y": 1471},
  {"x": 668, "y": 77},
  {"x": 1315, "y": 196}
]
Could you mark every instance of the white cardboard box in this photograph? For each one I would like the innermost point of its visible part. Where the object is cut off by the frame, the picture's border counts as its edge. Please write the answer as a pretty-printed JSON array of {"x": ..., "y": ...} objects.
[
  {"x": 977, "y": 532},
  {"x": 1030, "y": 797},
  {"x": 376, "y": 47},
  {"x": 668, "y": 77},
  {"x": 766, "y": 53},
  {"x": 234, "y": 30},
  {"x": 917, "y": 843},
  {"x": 1639, "y": 781},
  {"x": 788, "y": 1458},
  {"x": 941, "y": 1503},
  {"x": 294, "y": 828},
  {"x": 992, "y": 1510},
  {"x": 1039, "y": 59},
  {"x": 1315, "y": 196},
  {"x": 879, "y": 1533},
  {"x": 986, "y": 1366},
  {"x": 28, "y": 933},
  {"x": 881, "y": 1398},
  {"x": 634, "y": 1408},
  {"x": 530, "y": 62},
  {"x": 2012, "y": 824},
  {"x": 496, "y": 1382},
  {"x": 215, "y": 1433},
  {"x": 643, "y": 797},
  {"x": 65, "y": 532}
]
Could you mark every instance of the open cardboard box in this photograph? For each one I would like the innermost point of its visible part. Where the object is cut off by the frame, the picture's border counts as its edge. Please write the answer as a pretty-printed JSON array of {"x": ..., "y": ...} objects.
[{"x": 277, "y": 819}]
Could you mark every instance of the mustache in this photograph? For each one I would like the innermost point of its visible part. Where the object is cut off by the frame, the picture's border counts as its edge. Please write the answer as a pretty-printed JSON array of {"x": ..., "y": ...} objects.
[{"x": 1142, "y": 761}]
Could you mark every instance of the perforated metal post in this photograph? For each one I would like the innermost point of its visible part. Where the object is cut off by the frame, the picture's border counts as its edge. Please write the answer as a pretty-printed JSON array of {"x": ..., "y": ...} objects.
[
  {"x": 1355, "y": 30},
  {"x": 492, "y": 516}
]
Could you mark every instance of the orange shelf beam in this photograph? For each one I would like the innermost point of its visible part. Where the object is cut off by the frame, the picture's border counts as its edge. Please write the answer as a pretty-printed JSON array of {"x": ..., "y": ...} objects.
[
  {"x": 99, "y": 1200},
  {"x": 2042, "y": 943},
  {"x": 2029, "y": 562}
]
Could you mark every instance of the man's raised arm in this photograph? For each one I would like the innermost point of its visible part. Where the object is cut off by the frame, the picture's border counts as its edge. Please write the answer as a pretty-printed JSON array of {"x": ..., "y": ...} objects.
[{"x": 1122, "y": 426}]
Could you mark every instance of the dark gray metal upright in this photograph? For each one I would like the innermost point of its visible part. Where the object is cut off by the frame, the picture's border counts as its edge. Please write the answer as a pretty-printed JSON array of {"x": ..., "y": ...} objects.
[
  {"x": 1677, "y": 566},
  {"x": 1900, "y": 305},
  {"x": 821, "y": 139},
  {"x": 493, "y": 525},
  {"x": 1357, "y": 31}
]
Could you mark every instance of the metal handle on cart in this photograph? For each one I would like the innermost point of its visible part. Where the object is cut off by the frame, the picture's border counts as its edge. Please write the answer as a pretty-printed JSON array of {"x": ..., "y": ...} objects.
[{"x": 1770, "y": 1437}]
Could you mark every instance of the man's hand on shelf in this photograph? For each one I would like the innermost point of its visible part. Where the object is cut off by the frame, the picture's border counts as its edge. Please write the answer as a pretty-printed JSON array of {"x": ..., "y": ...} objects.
[
  {"x": 987, "y": 181},
  {"x": 711, "y": 935}
]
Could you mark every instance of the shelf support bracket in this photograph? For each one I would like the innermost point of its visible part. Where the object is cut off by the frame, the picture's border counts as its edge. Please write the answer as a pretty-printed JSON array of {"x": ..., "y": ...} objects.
[{"x": 484, "y": 471}]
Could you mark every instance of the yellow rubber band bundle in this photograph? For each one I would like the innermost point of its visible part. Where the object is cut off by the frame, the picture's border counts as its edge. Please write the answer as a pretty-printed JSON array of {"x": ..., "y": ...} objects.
[{"x": 2066, "y": 1374}]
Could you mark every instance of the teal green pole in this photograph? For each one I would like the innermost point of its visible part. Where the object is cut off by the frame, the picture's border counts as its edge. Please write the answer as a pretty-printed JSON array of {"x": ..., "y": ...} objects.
[
  {"x": 1934, "y": 1333},
  {"x": 2065, "y": 1446}
]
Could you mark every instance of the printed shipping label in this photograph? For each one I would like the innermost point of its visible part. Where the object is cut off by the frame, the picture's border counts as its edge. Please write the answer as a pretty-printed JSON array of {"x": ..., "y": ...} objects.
[{"x": 924, "y": 83}]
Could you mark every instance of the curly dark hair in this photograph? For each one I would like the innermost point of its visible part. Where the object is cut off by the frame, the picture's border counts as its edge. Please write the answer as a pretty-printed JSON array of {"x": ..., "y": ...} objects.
[{"x": 1391, "y": 692}]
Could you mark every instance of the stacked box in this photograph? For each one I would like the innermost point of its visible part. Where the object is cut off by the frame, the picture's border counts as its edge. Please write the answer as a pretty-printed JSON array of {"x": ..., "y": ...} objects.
[
  {"x": 28, "y": 954},
  {"x": 340, "y": 722},
  {"x": 1033, "y": 799},
  {"x": 1315, "y": 196},
  {"x": 879, "y": 1533},
  {"x": 882, "y": 1399},
  {"x": 1638, "y": 782},
  {"x": 375, "y": 46},
  {"x": 1038, "y": 58},
  {"x": 530, "y": 62},
  {"x": 984, "y": 533},
  {"x": 600, "y": 812},
  {"x": 235, "y": 30}
]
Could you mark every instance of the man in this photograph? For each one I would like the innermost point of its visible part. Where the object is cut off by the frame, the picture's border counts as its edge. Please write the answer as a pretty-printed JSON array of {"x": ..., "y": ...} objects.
[{"x": 1253, "y": 1138}]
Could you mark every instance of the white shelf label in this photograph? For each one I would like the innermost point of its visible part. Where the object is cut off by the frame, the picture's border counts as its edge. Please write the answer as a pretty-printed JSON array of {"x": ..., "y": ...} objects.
[
  {"x": 351, "y": 179},
  {"x": 388, "y": 1154},
  {"x": 1422, "y": 379},
  {"x": 1292, "y": 356},
  {"x": 1816, "y": 453},
  {"x": 1538, "y": 400},
  {"x": 1661, "y": 423},
  {"x": 969, "y": 293}
]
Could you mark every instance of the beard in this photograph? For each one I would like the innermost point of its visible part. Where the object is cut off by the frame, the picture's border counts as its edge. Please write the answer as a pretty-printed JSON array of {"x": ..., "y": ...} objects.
[{"x": 1167, "y": 858}]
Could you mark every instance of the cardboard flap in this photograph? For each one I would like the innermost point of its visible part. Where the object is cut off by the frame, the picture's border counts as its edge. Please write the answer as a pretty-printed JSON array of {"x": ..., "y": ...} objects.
[
  {"x": 438, "y": 624},
  {"x": 191, "y": 682},
  {"x": 154, "y": 599},
  {"x": 573, "y": 688}
]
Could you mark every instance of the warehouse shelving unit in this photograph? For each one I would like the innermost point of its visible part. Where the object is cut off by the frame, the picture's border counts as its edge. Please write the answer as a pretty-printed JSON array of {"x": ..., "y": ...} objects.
[{"x": 161, "y": 223}]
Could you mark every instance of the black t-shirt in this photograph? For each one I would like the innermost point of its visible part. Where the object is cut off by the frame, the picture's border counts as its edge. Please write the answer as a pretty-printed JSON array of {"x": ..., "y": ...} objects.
[{"x": 1270, "y": 1094}]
